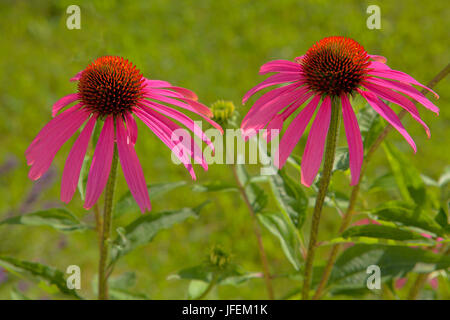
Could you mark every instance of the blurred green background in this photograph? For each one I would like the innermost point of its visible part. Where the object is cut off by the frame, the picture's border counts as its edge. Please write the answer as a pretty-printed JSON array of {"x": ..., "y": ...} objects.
[{"x": 214, "y": 48}]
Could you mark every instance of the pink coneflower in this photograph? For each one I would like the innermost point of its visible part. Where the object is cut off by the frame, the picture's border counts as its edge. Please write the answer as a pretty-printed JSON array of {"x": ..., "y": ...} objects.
[
  {"x": 333, "y": 68},
  {"x": 113, "y": 90}
]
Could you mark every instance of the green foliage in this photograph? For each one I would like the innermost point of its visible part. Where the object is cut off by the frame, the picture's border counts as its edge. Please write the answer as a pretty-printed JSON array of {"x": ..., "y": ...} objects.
[
  {"x": 350, "y": 270},
  {"x": 282, "y": 227},
  {"x": 38, "y": 272},
  {"x": 255, "y": 194},
  {"x": 142, "y": 230},
  {"x": 57, "y": 218}
]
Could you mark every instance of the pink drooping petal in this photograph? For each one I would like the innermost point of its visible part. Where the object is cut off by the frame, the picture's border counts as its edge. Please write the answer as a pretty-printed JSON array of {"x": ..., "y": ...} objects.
[
  {"x": 355, "y": 144},
  {"x": 55, "y": 125},
  {"x": 77, "y": 76},
  {"x": 279, "y": 66},
  {"x": 185, "y": 92},
  {"x": 182, "y": 118},
  {"x": 64, "y": 101},
  {"x": 163, "y": 92},
  {"x": 270, "y": 81},
  {"x": 156, "y": 83},
  {"x": 312, "y": 156},
  {"x": 190, "y": 105},
  {"x": 265, "y": 109},
  {"x": 101, "y": 164},
  {"x": 131, "y": 127},
  {"x": 378, "y": 58},
  {"x": 295, "y": 131},
  {"x": 399, "y": 76},
  {"x": 398, "y": 99},
  {"x": 389, "y": 115},
  {"x": 43, "y": 149},
  {"x": 74, "y": 162},
  {"x": 131, "y": 167},
  {"x": 164, "y": 133},
  {"x": 405, "y": 89}
]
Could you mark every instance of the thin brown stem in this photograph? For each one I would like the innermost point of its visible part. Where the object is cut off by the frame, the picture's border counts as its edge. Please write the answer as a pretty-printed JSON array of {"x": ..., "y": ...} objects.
[
  {"x": 332, "y": 136},
  {"x": 257, "y": 231},
  {"x": 355, "y": 191}
]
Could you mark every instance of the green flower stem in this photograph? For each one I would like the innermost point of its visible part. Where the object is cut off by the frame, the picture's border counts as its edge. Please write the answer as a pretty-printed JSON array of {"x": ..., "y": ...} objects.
[
  {"x": 106, "y": 230},
  {"x": 355, "y": 191},
  {"x": 333, "y": 133},
  {"x": 257, "y": 231}
]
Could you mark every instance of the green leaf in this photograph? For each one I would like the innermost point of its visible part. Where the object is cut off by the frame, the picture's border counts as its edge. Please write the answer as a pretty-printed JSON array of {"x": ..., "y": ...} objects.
[
  {"x": 290, "y": 197},
  {"x": 370, "y": 126},
  {"x": 341, "y": 159},
  {"x": 445, "y": 177},
  {"x": 408, "y": 215},
  {"x": 17, "y": 295},
  {"x": 350, "y": 270},
  {"x": 214, "y": 186},
  {"x": 384, "y": 183},
  {"x": 442, "y": 218},
  {"x": 83, "y": 176},
  {"x": 127, "y": 204},
  {"x": 57, "y": 218},
  {"x": 255, "y": 194},
  {"x": 38, "y": 272},
  {"x": 281, "y": 227},
  {"x": 233, "y": 275},
  {"x": 196, "y": 289},
  {"x": 381, "y": 232},
  {"x": 409, "y": 181},
  {"x": 142, "y": 230}
]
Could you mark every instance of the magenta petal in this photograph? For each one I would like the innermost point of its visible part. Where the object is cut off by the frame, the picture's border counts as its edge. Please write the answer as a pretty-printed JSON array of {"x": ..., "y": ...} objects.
[
  {"x": 131, "y": 127},
  {"x": 355, "y": 144},
  {"x": 77, "y": 76},
  {"x": 399, "y": 76},
  {"x": 101, "y": 164},
  {"x": 64, "y": 101},
  {"x": 295, "y": 131},
  {"x": 182, "y": 118},
  {"x": 378, "y": 58},
  {"x": 279, "y": 65},
  {"x": 398, "y": 99},
  {"x": 313, "y": 154},
  {"x": 156, "y": 83},
  {"x": 270, "y": 81},
  {"x": 407, "y": 89},
  {"x": 164, "y": 133},
  {"x": 131, "y": 167},
  {"x": 265, "y": 109},
  {"x": 389, "y": 115},
  {"x": 74, "y": 161},
  {"x": 44, "y": 147}
]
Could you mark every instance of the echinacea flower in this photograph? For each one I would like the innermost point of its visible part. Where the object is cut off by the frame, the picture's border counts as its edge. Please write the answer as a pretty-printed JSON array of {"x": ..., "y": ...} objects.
[
  {"x": 113, "y": 90},
  {"x": 334, "y": 68}
]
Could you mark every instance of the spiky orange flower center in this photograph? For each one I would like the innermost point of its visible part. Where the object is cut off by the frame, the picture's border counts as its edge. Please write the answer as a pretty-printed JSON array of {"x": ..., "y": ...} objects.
[
  {"x": 110, "y": 86},
  {"x": 335, "y": 65}
]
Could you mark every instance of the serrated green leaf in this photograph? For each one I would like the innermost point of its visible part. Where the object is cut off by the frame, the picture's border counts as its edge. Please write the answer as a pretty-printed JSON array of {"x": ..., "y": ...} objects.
[
  {"x": 57, "y": 218},
  {"x": 407, "y": 215},
  {"x": 350, "y": 269},
  {"x": 214, "y": 186},
  {"x": 142, "y": 230},
  {"x": 126, "y": 204},
  {"x": 255, "y": 194},
  {"x": 290, "y": 197},
  {"x": 341, "y": 159},
  {"x": 407, "y": 177},
  {"x": 382, "y": 232},
  {"x": 38, "y": 272},
  {"x": 281, "y": 227}
]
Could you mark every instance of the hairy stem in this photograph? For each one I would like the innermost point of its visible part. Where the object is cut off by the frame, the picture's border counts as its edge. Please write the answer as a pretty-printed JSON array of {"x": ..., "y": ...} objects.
[
  {"x": 257, "y": 231},
  {"x": 355, "y": 191},
  {"x": 332, "y": 137},
  {"x": 106, "y": 229}
]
